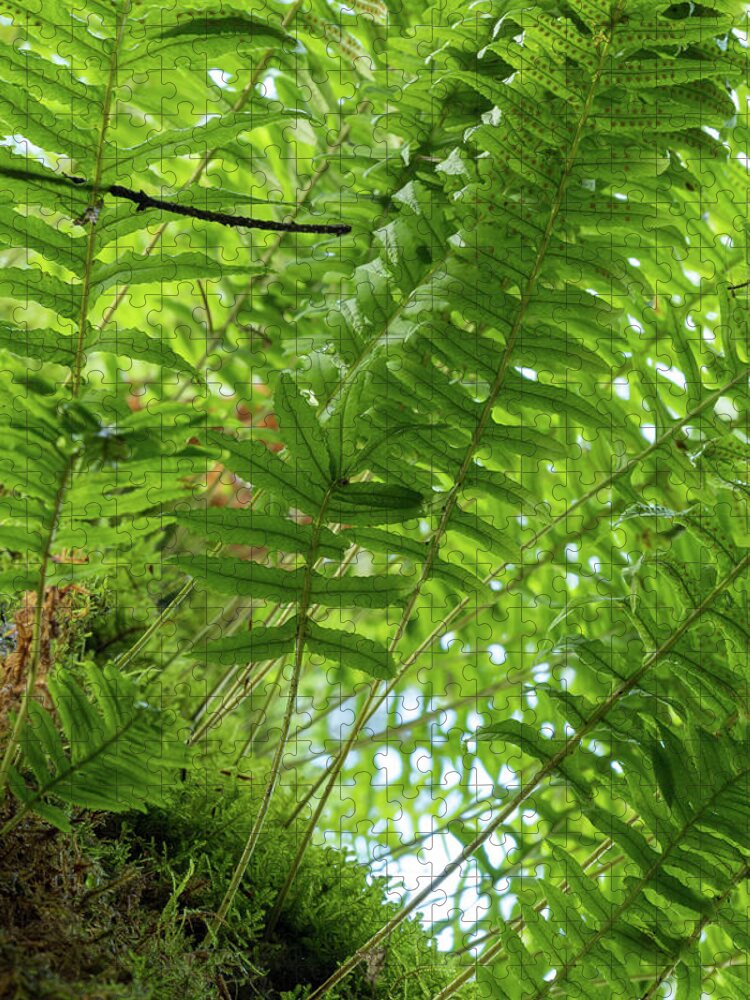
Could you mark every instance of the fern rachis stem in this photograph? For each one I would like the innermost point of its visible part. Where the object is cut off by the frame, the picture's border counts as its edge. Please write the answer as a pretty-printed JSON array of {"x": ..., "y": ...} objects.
[
  {"x": 208, "y": 156},
  {"x": 129, "y": 655},
  {"x": 244, "y": 683},
  {"x": 95, "y": 187},
  {"x": 490, "y": 953},
  {"x": 291, "y": 705},
  {"x": 741, "y": 875},
  {"x": 515, "y": 331},
  {"x": 65, "y": 776},
  {"x": 635, "y": 890},
  {"x": 36, "y": 635},
  {"x": 568, "y": 748},
  {"x": 373, "y": 702},
  {"x": 449, "y": 619},
  {"x": 474, "y": 443}
]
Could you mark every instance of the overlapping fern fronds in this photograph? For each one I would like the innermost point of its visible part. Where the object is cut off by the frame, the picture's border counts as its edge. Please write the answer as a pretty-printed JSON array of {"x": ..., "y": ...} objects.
[{"x": 512, "y": 445}]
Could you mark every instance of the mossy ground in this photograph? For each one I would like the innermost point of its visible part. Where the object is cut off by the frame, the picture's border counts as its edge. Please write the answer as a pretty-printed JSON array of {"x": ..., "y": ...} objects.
[{"x": 120, "y": 910}]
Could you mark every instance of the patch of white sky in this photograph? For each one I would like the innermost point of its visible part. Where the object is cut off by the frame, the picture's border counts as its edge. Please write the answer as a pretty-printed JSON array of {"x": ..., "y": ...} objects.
[
  {"x": 220, "y": 77},
  {"x": 456, "y": 784},
  {"x": 224, "y": 80}
]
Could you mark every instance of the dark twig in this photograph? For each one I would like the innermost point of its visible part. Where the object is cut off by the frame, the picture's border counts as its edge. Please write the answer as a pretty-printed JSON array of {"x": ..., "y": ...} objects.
[{"x": 145, "y": 201}]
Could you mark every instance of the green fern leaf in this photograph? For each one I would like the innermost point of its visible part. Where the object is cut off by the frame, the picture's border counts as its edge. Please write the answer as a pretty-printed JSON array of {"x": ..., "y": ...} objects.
[
  {"x": 305, "y": 440},
  {"x": 351, "y": 651},
  {"x": 114, "y": 751},
  {"x": 267, "y": 531}
]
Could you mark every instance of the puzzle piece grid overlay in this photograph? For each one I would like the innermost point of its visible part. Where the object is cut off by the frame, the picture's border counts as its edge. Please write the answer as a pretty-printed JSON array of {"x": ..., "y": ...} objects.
[{"x": 421, "y": 515}]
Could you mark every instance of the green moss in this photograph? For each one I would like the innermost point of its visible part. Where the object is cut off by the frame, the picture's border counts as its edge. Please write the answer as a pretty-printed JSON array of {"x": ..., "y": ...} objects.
[{"x": 120, "y": 909}]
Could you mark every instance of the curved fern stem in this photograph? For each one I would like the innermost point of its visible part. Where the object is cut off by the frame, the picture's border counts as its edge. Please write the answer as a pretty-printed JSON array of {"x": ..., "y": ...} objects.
[
  {"x": 248, "y": 678},
  {"x": 126, "y": 658},
  {"x": 304, "y": 607},
  {"x": 638, "y": 887},
  {"x": 497, "y": 947},
  {"x": 544, "y": 772},
  {"x": 192, "y": 640},
  {"x": 244, "y": 684},
  {"x": 379, "y": 693},
  {"x": 371, "y": 706},
  {"x": 261, "y": 714},
  {"x": 95, "y": 187},
  {"x": 36, "y": 634},
  {"x": 742, "y": 874}
]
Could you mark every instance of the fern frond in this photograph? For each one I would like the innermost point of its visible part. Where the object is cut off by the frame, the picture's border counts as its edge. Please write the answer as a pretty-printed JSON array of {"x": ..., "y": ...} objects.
[{"x": 113, "y": 750}]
